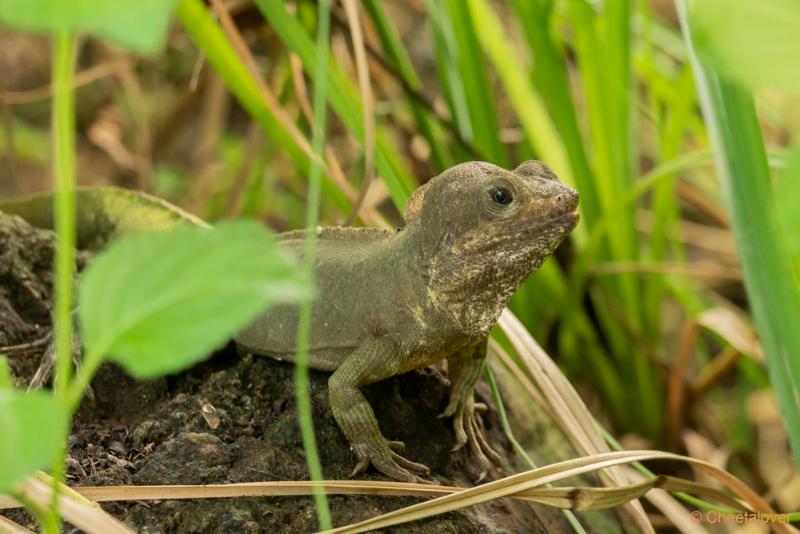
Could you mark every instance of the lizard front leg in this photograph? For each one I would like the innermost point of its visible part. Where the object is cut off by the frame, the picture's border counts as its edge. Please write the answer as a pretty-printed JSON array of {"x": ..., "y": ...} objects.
[
  {"x": 368, "y": 363},
  {"x": 464, "y": 369}
]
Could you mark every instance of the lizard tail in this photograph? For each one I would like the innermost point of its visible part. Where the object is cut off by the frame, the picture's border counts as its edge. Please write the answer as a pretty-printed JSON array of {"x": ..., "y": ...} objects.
[{"x": 103, "y": 214}]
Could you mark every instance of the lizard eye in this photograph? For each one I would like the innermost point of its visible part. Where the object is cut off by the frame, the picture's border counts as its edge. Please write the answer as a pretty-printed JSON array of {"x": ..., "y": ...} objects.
[{"x": 501, "y": 195}]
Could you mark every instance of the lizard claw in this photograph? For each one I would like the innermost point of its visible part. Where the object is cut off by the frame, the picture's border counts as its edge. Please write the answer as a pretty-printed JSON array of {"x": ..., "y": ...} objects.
[
  {"x": 360, "y": 467},
  {"x": 452, "y": 406},
  {"x": 383, "y": 457},
  {"x": 468, "y": 429}
]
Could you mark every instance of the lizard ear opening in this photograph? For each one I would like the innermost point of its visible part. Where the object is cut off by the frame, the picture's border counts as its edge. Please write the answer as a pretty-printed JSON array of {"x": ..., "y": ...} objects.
[{"x": 414, "y": 205}]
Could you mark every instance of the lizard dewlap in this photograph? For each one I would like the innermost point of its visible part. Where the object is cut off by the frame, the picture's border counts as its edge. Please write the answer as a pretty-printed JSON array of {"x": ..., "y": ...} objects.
[{"x": 389, "y": 302}]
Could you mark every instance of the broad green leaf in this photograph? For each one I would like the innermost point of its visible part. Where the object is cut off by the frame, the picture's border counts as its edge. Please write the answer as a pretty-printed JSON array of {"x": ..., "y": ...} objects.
[
  {"x": 157, "y": 303},
  {"x": 140, "y": 26},
  {"x": 33, "y": 426},
  {"x": 754, "y": 42},
  {"x": 788, "y": 191}
]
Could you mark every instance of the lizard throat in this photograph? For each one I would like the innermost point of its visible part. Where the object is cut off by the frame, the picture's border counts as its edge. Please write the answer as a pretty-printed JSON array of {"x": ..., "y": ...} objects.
[{"x": 474, "y": 290}]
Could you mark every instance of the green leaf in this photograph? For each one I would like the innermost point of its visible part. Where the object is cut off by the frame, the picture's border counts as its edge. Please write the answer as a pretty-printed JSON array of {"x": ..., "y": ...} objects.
[
  {"x": 754, "y": 42},
  {"x": 157, "y": 303},
  {"x": 140, "y": 26},
  {"x": 788, "y": 191},
  {"x": 33, "y": 427},
  {"x": 773, "y": 287}
]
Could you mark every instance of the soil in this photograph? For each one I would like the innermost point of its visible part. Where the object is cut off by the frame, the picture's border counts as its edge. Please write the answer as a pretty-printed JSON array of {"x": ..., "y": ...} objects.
[{"x": 153, "y": 432}]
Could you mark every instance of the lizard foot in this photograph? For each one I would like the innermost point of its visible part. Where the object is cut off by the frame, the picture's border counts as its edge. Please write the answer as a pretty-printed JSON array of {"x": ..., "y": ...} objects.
[
  {"x": 468, "y": 428},
  {"x": 384, "y": 457}
]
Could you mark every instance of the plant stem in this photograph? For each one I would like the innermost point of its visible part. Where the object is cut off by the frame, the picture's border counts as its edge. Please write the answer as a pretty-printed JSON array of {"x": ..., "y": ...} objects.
[
  {"x": 63, "y": 128},
  {"x": 64, "y": 209},
  {"x": 6, "y": 382},
  {"x": 91, "y": 362},
  {"x": 309, "y": 254}
]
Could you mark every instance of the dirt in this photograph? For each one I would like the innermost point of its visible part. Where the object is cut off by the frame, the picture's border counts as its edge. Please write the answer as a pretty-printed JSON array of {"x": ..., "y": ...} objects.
[{"x": 154, "y": 432}]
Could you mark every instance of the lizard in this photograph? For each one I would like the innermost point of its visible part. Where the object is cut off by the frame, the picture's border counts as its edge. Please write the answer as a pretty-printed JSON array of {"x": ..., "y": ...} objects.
[{"x": 389, "y": 301}]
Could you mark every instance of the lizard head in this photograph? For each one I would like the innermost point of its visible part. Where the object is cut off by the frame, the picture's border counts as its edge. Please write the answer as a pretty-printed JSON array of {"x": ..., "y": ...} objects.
[
  {"x": 486, "y": 229},
  {"x": 479, "y": 208}
]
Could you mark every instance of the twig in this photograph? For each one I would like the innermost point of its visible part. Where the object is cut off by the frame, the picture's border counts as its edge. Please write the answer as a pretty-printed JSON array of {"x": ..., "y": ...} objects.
[
  {"x": 26, "y": 347},
  {"x": 46, "y": 91}
]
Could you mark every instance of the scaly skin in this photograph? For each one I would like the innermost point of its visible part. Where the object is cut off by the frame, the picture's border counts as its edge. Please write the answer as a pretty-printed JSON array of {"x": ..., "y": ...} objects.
[{"x": 390, "y": 302}]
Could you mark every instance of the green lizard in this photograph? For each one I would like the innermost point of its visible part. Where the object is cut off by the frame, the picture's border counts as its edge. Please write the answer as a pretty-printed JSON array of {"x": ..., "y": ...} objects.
[{"x": 389, "y": 302}]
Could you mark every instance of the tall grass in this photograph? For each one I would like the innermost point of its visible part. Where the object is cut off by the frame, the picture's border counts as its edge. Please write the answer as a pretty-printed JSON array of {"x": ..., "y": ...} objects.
[
  {"x": 772, "y": 283},
  {"x": 606, "y": 96}
]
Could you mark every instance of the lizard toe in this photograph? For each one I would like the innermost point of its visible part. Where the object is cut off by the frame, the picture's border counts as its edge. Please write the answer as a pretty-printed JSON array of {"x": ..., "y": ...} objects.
[
  {"x": 392, "y": 468},
  {"x": 451, "y": 409},
  {"x": 483, "y": 444},
  {"x": 468, "y": 427},
  {"x": 488, "y": 450},
  {"x": 420, "y": 469},
  {"x": 381, "y": 454},
  {"x": 461, "y": 434},
  {"x": 479, "y": 455},
  {"x": 481, "y": 476},
  {"x": 360, "y": 467},
  {"x": 396, "y": 446}
]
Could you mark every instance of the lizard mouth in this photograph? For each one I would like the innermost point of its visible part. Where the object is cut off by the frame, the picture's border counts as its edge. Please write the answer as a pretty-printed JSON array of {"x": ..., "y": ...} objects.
[
  {"x": 567, "y": 221},
  {"x": 557, "y": 226}
]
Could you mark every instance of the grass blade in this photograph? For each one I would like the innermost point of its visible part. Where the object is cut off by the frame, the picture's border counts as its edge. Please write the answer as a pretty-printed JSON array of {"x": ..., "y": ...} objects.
[
  {"x": 602, "y": 48},
  {"x": 536, "y": 122},
  {"x": 305, "y": 417},
  {"x": 473, "y": 76},
  {"x": 63, "y": 131},
  {"x": 772, "y": 285},
  {"x": 343, "y": 98},
  {"x": 398, "y": 56},
  {"x": 209, "y": 37}
]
